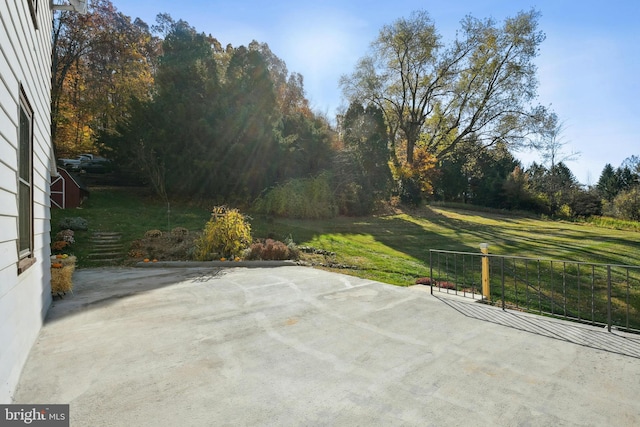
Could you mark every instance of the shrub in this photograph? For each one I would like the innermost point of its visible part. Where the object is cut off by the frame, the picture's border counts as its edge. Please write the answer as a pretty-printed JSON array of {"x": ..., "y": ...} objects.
[
  {"x": 271, "y": 250},
  {"x": 308, "y": 198},
  {"x": 616, "y": 224},
  {"x": 179, "y": 232},
  {"x": 153, "y": 233},
  {"x": 586, "y": 203},
  {"x": 564, "y": 211},
  {"x": 177, "y": 245},
  {"x": 73, "y": 223},
  {"x": 227, "y": 234},
  {"x": 59, "y": 245},
  {"x": 66, "y": 236},
  {"x": 353, "y": 200},
  {"x": 626, "y": 204}
]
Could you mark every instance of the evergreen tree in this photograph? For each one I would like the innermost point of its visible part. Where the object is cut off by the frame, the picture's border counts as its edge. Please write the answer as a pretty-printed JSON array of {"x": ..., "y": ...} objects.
[
  {"x": 248, "y": 139},
  {"x": 608, "y": 184},
  {"x": 362, "y": 172}
]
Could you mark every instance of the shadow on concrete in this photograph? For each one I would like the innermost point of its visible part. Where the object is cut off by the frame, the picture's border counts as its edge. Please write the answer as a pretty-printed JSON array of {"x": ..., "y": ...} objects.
[
  {"x": 584, "y": 335},
  {"x": 99, "y": 287}
]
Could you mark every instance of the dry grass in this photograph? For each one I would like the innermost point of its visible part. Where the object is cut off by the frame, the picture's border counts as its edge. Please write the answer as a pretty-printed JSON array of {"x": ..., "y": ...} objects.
[
  {"x": 167, "y": 247},
  {"x": 61, "y": 278}
]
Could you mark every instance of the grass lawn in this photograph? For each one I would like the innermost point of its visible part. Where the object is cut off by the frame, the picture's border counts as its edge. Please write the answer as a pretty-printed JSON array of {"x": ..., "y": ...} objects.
[
  {"x": 390, "y": 248},
  {"x": 395, "y": 248},
  {"x": 130, "y": 211}
]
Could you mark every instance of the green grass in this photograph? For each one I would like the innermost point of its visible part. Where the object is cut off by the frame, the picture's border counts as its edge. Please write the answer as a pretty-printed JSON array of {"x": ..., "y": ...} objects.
[
  {"x": 129, "y": 211},
  {"x": 614, "y": 223},
  {"x": 395, "y": 248},
  {"x": 392, "y": 248}
]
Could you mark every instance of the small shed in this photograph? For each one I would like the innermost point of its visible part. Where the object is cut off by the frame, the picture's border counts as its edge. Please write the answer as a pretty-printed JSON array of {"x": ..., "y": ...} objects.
[{"x": 67, "y": 191}]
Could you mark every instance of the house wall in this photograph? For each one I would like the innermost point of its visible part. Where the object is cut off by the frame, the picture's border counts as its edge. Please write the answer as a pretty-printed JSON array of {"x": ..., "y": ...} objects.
[{"x": 25, "y": 59}]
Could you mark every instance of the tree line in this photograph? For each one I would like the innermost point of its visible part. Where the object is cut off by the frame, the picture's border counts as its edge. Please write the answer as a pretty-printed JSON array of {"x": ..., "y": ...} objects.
[{"x": 427, "y": 120}]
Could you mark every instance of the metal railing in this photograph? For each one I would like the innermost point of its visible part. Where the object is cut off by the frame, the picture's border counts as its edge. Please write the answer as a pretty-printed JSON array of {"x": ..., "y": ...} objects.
[{"x": 597, "y": 294}]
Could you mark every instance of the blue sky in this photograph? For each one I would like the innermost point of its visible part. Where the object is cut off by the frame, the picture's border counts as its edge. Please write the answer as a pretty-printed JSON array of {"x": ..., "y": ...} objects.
[{"x": 588, "y": 67}]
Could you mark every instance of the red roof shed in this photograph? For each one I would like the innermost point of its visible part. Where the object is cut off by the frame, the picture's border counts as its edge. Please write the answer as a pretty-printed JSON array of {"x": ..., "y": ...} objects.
[{"x": 67, "y": 191}]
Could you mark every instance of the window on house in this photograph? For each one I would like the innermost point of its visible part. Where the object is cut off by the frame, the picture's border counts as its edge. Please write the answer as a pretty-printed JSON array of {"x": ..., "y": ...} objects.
[
  {"x": 25, "y": 185},
  {"x": 33, "y": 9}
]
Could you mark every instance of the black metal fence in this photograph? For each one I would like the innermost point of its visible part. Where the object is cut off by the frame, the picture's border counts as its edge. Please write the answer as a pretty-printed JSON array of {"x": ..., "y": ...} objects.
[{"x": 598, "y": 294}]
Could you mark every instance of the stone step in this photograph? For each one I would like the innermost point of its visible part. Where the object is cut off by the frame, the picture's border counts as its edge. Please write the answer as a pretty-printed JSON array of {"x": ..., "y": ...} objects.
[
  {"x": 110, "y": 260},
  {"x": 105, "y": 240},
  {"x": 106, "y": 233},
  {"x": 109, "y": 245},
  {"x": 103, "y": 255},
  {"x": 101, "y": 252}
]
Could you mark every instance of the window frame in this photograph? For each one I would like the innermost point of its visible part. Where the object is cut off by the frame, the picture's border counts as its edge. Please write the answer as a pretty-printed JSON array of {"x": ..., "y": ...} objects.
[
  {"x": 24, "y": 181},
  {"x": 33, "y": 10}
]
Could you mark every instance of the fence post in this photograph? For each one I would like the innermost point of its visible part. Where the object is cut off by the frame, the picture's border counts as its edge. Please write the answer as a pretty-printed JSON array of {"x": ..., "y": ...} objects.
[
  {"x": 502, "y": 273},
  {"x": 609, "y": 298},
  {"x": 431, "y": 270},
  {"x": 486, "y": 289}
]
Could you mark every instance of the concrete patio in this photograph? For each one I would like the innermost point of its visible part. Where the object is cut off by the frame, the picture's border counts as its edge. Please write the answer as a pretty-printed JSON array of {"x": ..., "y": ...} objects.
[{"x": 299, "y": 346}]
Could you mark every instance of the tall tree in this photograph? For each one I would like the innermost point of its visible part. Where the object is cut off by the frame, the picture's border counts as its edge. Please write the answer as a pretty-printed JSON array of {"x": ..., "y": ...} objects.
[
  {"x": 480, "y": 85},
  {"x": 489, "y": 169},
  {"x": 548, "y": 139},
  {"x": 172, "y": 136},
  {"x": 633, "y": 163},
  {"x": 288, "y": 87},
  {"x": 557, "y": 185},
  {"x": 305, "y": 145},
  {"x": 608, "y": 185},
  {"x": 71, "y": 41},
  {"x": 222, "y": 123},
  {"x": 361, "y": 168},
  {"x": 517, "y": 192},
  {"x": 99, "y": 61},
  {"x": 188, "y": 100},
  {"x": 251, "y": 115}
]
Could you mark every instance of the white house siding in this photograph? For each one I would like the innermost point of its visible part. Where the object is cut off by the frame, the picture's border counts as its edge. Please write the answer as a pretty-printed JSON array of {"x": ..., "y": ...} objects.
[{"x": 25, "y": 61}]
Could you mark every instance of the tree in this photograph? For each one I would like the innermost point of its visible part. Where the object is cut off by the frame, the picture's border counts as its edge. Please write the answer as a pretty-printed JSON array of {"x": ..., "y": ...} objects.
[
  {"x": 492, "y": 169},
  {"x": 627, "y": 179},
  {"x": 250, "y": 114},
  {"x": 171, "y": 137},
  {"x": 289, "y": 88},
  {"x": 557, "y": 185},
  {"x": 473, "y": 173},
  {"x": 586, "y": 203},
  {"x": 548, "y": 139},
  {"x": 187, "y": 107},
  {"x": 626, "y": 204},
  {"x": 362, "y": 171},
  {"x": 614, "y": 181},
  {"x": 401, "y": 76},
  {"x": 633, "y": 163},
  {"x": 456, "y": 169},
  {"x": 608, "y": 185},
  {"x": 99, "y": 61},
  {"x": 224, "y": 124},
  {"x": 305, "y": 145},
  {"x": 517, "y": 192},
  {"x": 480, "y": 85},
  {"x": 70, "y": 40}
]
